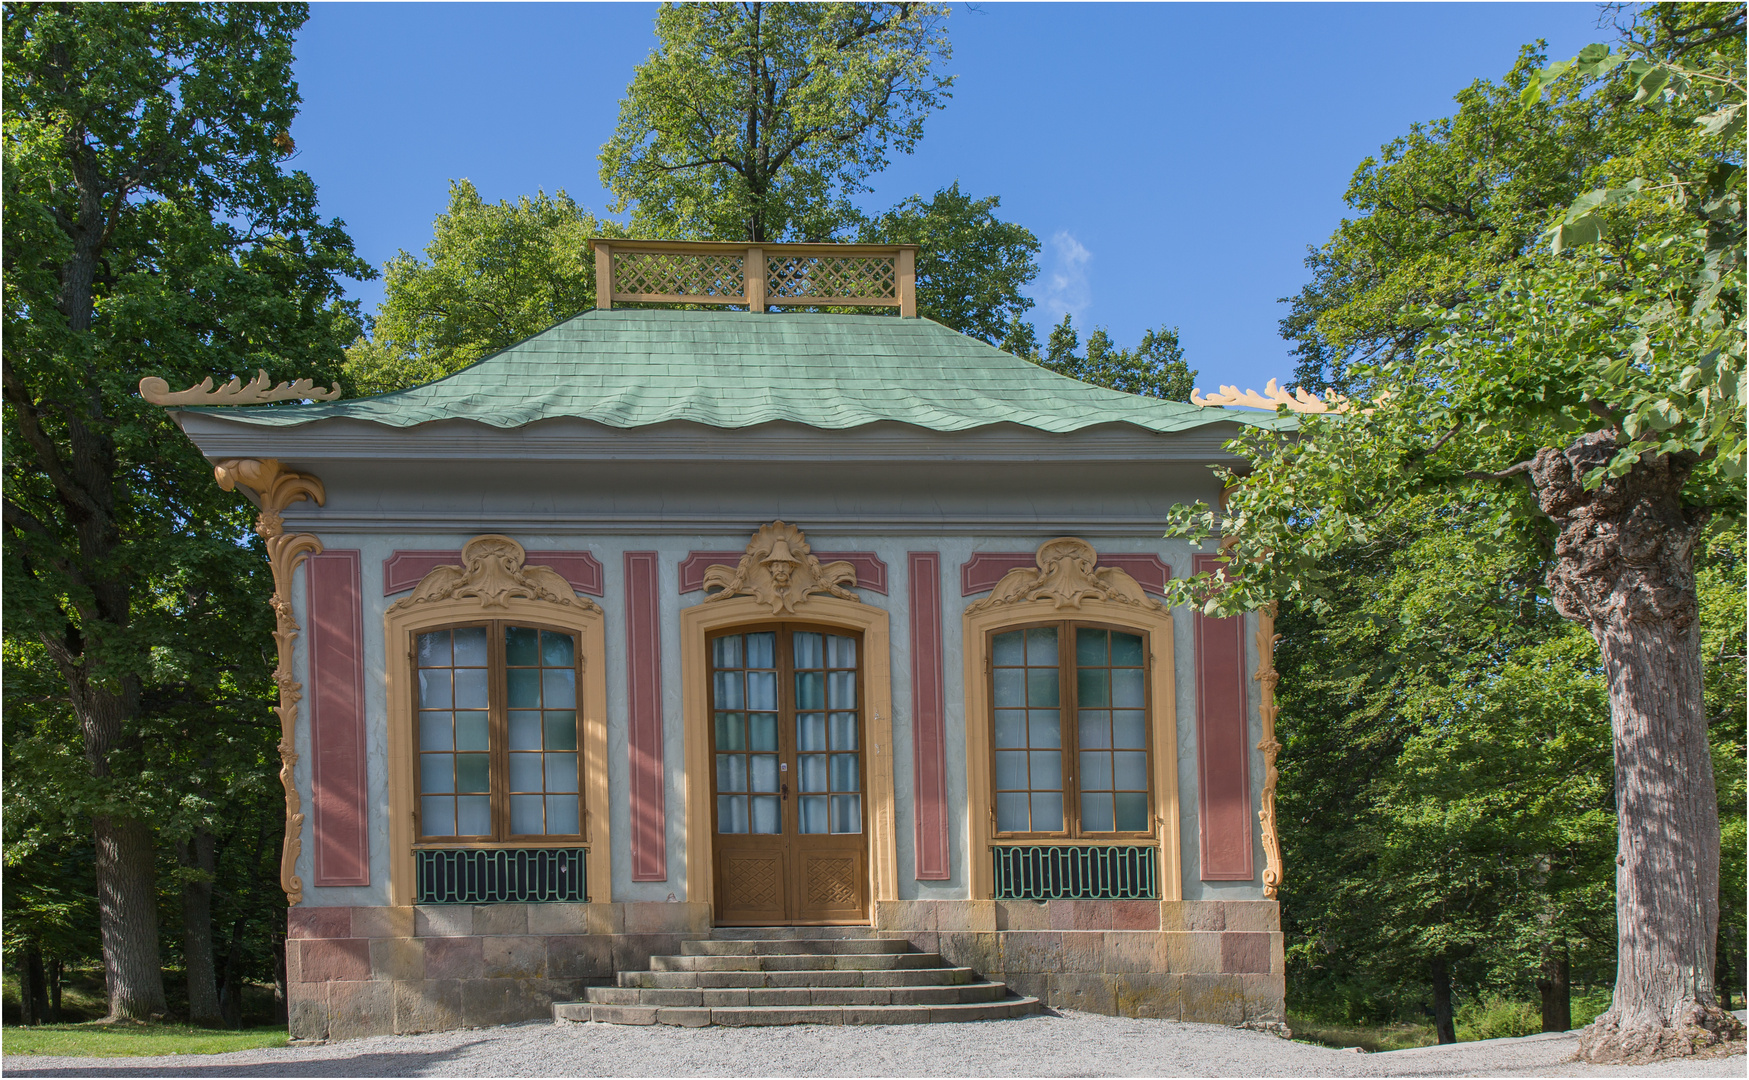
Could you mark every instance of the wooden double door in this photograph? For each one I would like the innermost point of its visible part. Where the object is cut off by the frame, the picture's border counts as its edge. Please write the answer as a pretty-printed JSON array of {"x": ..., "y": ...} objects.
[{"x": 787, "y": 780}]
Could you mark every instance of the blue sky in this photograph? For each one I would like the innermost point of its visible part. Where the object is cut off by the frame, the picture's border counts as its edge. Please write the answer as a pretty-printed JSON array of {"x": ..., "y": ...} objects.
[{"x": 1175, "y": 160}]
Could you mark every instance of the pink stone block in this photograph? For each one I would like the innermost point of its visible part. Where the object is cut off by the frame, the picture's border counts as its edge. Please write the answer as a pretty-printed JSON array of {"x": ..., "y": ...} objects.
[
  {"x": 318, "y": 922},
  {"x": 1135, "y": 915},
  {"x": 334, "y": 959},
  {"x": 1244, "y": 953},
  {"x": 454, "y": 958}
]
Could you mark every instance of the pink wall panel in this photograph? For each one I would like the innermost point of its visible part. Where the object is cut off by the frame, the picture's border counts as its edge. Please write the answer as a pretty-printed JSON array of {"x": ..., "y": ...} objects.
[
  {"x": 340, "y": 804},
  {"x": 871, "y": 572},
  {"x": 1223, "y": 753},
  {"x": 403, "y": 569},
  {"x": 928, "y": 715},
  {"x": 982, "y": 571},
  {"x": 649, "y": 840}
]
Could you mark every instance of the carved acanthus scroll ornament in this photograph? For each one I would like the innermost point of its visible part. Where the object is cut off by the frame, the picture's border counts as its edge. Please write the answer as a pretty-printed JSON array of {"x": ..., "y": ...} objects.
[
  {"x": 1267, "y": 678},
  {"x": 1300, "y": 401},
  {"x": 257, "y": 391},
  {"x": 780, "y": 571},
  {"x": 277, "y": 487},
  {"x": 493, "y": 572},
  {"x": 1068, "y": 572}
]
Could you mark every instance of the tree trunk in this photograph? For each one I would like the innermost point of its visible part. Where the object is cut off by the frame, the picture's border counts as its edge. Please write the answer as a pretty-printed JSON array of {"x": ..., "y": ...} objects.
[
  {"x": 1557, "y": 992},
  {"x": 197, "y": 930},
  {"x": 128, "y": 918},
  {"x": 33, "y": 997},
  {"x": 231, "y": 992},
  {"x": 281, "y": 988},
  {"x": 1624, "y": 568},
  {"x": 1443, "y": 1025},
  {"x": 55, "y": 991}
]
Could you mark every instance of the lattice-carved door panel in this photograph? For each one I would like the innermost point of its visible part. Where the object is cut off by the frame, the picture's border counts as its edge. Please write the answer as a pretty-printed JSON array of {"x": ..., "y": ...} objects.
[{"x": 787, "y": 776}]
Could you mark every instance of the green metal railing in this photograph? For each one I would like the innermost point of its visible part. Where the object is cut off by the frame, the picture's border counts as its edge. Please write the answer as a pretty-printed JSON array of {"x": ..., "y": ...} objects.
[
  {"x": 1083, "y": 872},
  {"x": 501, "y": 876}
]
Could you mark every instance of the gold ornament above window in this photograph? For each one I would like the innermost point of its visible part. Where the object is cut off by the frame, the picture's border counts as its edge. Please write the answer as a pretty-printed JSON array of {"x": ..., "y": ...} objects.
[
  {"x": 492, "y": 572},
  {"x": 1067, "y": 573},
  {"x": 781, "y": 571}
]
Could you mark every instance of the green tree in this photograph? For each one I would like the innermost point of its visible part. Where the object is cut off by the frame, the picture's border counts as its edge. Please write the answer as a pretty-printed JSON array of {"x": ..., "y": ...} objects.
[
  {"x": 1593, "y": 403},
  {"x": 1154, "y": 368},
  {"x": 757, "y": 121},
  {"x": 151, "y": 228},
  {"x": 972, "y": 265},
  {"x": 493, "y": 274}
]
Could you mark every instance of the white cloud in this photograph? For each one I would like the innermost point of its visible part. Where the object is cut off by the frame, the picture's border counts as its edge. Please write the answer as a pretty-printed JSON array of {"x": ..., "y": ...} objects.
[{"x": 1067, "y": 285}]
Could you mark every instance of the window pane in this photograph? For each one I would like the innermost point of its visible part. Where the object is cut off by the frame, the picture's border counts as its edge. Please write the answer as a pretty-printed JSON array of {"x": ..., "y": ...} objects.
[
  {"x": 1132, "y": 811},
  {"x": 434, "y": 689},
  {"x": 1093, "y": 687},
  {"x": 1010, "y": 727},
  {"x": 1096, "y": 812},
  {"x": 525, "y": 814},
  {"x": 1041, "y": 646},
  {"x": 435, "y": 731},
  {"x": 1041, "y": 687},
  {"x": 808, "y": 651},
  {"x": 731, "y": 772},
  {"x": 731, "y": 813},
  {"x": 1010, "y": 686},
  {"x": 471, "y": 731},
  {"x": 763, "y": 733},
  {"x": 762, "y": 690},
  {"x": 1090, "y": 648},
  {"x": 1095, "y": 770},
  {"x": 1044, "y": 728},
  {"x": 559, "y": 688},
  {"x": 762, "y": 650},
  {"x": 1126, "y": 688},
  {"x": 1047, "y": 813},
  {"x": 845, "y": 775},
  {"x": 524, "y": 687},
  {"x": 844, "y": 731},
  {"x": 767, "y": 814},
  {"x": 525, "y": 772},
  {"x": 846, "y": 813},
  {"x": 437, "y": 815},
  {"x": 812, "y": 810},
  {"x": 562, "y": 815},
  {"x": 470, "y": 688},
  {"x": 813, "y": 772},
  {"x": 434, "y": 652},
  {"x": 1131, "y": 773},
  {"x": 1131, "y": 730},
  {"x": 473, "y": 773},
  {"x": 726, "y": 651},
  {"x": 1011, "y": 813},
  {"x": 762, "y": 772},
  {"x": 1095, "y": 728},
  {"x": 810, "y": 733},
  {"x": 558, "y": 650},
  {"x": 840, "y": 651},
  {"x": 841, "y": 690},
  {"x": 562, "y": 772},
  {"x": 473, "y": 815},
  {"x": 1047, "y": 770},
  {"x": 1011, "y": 770},
  {"x": 524, "y": 729},
  {"x": 436, "y": 773},
  {"x": 728, "y": 690},
  {"x": 1009, "y": 648},
  {"x": 731, "y": 731},
  {"x": 1126, "y": 650},
  {"x": 561, "y": 731},
  {"x": 470, "y": 647},
  {"x": 810, "y": 690},
  {"x": 521, "y": 646}
]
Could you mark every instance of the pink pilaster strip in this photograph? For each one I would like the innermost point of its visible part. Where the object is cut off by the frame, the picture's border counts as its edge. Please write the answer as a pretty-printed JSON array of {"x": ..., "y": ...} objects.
[
  {"x": 644, "y": 708},
  {"x": 1223, "y": 756},
  {"x": 339, "y": 801},
  {"x": 928, "y": 715},
  {"x": 403, "y": 569},
  {"x": 982, "y": 571},
  {"x": 871, "y": 570}
]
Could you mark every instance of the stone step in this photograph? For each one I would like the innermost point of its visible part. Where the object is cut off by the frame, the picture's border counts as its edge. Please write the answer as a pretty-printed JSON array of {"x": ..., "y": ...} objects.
[
  {"x": 964, "y": 993},
  {"x": 778, "y": 933},
  {"x": 790, "y": 946},
  {"x": 726, "y": 980},
  {"x": 768, "y": 1015},
  {"x": 798, "y": 962}
]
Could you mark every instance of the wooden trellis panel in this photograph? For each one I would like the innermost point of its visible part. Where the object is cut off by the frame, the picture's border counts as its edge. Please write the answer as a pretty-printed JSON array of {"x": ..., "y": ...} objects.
[{"x": 756, "y": 275}]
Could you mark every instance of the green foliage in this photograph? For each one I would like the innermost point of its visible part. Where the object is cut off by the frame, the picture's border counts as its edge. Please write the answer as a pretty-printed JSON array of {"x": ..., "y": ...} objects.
[
  {"x": 493, "y": 274},
  {"x": 1496, "y": 1017},
  {"x": 1154, "y": 368},
  {"x": 758, "y": 121},
  {"x": 971, "y": 266}
]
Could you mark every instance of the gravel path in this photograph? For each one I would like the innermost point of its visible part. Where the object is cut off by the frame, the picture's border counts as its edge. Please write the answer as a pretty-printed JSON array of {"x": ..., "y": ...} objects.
[{"x": 1060, "y": 1043}]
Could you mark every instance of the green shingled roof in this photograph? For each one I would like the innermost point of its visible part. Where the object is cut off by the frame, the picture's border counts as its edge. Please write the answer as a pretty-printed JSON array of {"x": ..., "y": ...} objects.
[{"x": 730, "y": 369}]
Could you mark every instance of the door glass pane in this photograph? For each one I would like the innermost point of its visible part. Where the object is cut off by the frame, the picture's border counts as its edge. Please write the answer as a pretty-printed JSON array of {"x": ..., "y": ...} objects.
[
  {"x": 762, "y": 733},
  {"x": 810, "y": 733},
  {"x": 559, "y": 688},
  {"x": 471, "y": 731},
  {"x": 557, "y": 650},
  {"x": 844, "y": 773},
  {"x": 1041, "y": 646},
  {"x": 1096, "y": 812},
  {"x": 561, "y": 730},
  {"x": 1132, "y": 811},
  {"x": 562, "y": 772},
  {"x": 840, "y": 651},
  {"x": 521, "y": 646},
  {"x": 525, "y": 773},
  {"x": 813, "y": 772},
  {"x": 1009, "y": 650},
  {"x": 1132, "y": 771},
  {"x": 762, "y": 650},
  {"x": 846, "y": 813},
  {"x": 562, "y": 816},
  {"x": 470, "y": 688},
  {"x": 1095, "y": 770},
  {"x": 1126, "y": 688},
  {"x": 762, "y": 690},
  {"x": 731, "y": 813},
  {"x": 1011, "y": 815},
  {"x": 526, "y": 818},
  {"x": 1041, "y": 687},
  {"x": 1011, "y": 770},
  {"x": 473, "y": 773},
  {"x": 812, "y": 812},
  {"x": 1093, "y": 687},
  {"x": 1130, "y": 731},
  {"x": 525, "y": 733},
  {"x": 434, "y": 650},
  {"x": 1010, "y": 727},
  {"x": 1094, "y": 728},
  {"x": 1090, "y": 647},
  {"x": 473, "y": 815},
  {"x": 436, "y": 773},
  {"x": 841, "y": 690},
  {"x": 727, "y": 689},
  {"x": 726, "y": 651},
  {"x": 434, "y": 689},
  {"x": 767, "y": 814},
  {"x": 762, "y": 772},
  {"x": 1010, "y": 686},
  {"x": 524, "y": 685},
  {"x": 437, "y": 815},
  {"x": 731, "y": 731},
  {"x": 1047, "y": 770},
  {"x": 731, "y": 772},
  {"x": 1047, "y": 813},
  {"x": 1126, "y": 650},
  {"x": 844, "y": 731},
  {"x": 810, "y": 690},
  {"x": 808, "y": 650},
  {"x": 470, "y": 647},
  {"x": 436, "y": 731},
  {"x": 1044, "y": 728}
]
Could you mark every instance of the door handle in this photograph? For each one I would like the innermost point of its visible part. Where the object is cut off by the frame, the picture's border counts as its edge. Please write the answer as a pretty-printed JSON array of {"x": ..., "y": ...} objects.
[{"x": 785, "y": 789}]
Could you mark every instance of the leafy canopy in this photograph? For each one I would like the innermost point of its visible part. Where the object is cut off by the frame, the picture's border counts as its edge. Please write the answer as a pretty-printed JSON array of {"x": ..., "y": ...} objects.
[{"x": 1154, "y": 368}]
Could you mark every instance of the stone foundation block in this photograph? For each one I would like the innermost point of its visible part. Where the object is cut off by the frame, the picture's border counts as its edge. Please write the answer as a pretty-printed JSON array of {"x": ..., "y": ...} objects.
[
  {"x": 1245, "y": 953},
  {"x": 454, "y": 958},
  {"x": 1135, "y": 915},
  {"x": 667, "y": 918},
  {"x": 333, "y": 959},
  {"x": 903, "y": 916},
  {"x": 1213, "y": 999},
  {"x": 514, "y": 958},
  {"x": 443, "y": 920},
  {"x": 1023, "y": 915},
  {"x": 1132, "y": 951},
  {"x": 976, "y": 916},
  {"x": 1032, "y": 951},
  {"x": 579, "y": 956},
  {"x": 358, "y": 1009},
  {"x": 1088, "y": 992},
  {"x": 397, "y": 959},
  {"x": 1148, "y": 995},
  {"x": 306, "y": 1009},
  {"x": 382, "y": 922},
  {"x": 1083, "y": 950},
  {"x": 427, "y": 1005},
  {"x": 1258, "y": 915},
  {"x": 318, "y": 922},
  {"x": 492, "y": 919},
  {"x": 1193, "y": 915},
  {"x": 978, "y": 951}
]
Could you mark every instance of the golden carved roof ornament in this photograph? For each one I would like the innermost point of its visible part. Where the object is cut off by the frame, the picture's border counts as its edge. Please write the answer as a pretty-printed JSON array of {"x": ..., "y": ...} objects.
[
  {"x": 493, "y": 572},
  {"x": 1300, "y": 401},
  {"x": 257, "y": 391},
  {"x": 781, "y": 571},
  {"x": 276, "y": 487},
  {"x": 1067, "y": 573}
]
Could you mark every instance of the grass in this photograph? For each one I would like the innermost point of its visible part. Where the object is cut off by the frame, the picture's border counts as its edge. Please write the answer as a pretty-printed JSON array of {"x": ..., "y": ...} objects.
[
  {"x": 96, "y": 1039},
  {"x": 1373, "y": 1038}
]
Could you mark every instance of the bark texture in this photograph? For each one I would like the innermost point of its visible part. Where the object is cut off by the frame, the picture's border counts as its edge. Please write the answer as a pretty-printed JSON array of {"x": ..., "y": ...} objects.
[
  {"x": 1444, "y": 1023},
  {"x": 197, "y": 854},
  {"x": 128, "y": 919},
  {"x": 1624, "y": 568},
  {"x": 1556, "y": 989}
]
